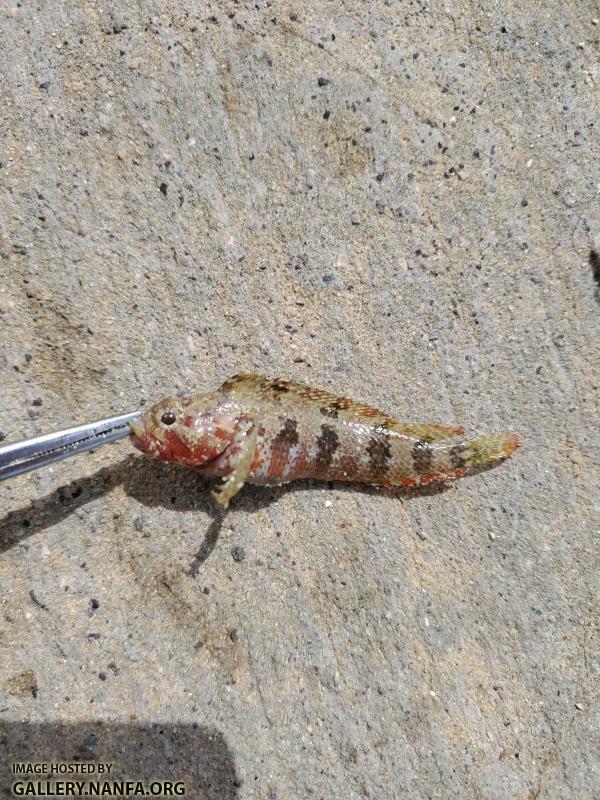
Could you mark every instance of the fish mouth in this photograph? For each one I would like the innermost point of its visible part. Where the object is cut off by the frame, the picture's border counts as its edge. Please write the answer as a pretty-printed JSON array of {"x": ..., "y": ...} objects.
[
  {"x": 138, "y": 435},
  {"x": 137, "y": 427}
]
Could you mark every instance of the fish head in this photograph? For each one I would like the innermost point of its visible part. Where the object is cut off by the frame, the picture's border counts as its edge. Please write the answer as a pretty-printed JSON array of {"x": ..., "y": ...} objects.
[{"x": 184, "y": 430}]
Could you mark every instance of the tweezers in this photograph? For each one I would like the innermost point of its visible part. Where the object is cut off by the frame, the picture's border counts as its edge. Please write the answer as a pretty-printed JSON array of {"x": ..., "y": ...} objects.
[{"x": 41, "y": 450}]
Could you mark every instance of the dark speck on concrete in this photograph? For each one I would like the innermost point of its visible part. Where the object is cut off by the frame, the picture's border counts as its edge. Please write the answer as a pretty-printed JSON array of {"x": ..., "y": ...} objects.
[
  {"x": 323, "y": 81},
  {"x": 163, "y": 188},
  {"x": 45, "y": 85},
  {"x": 36, "y": 601},
  {"x": 327, "y": 114},
  {"x": 594, "y": 263},
  {"x": 37, "y": 402},
  {"x": 328, "y": 277},
  {"x": 2, "y": 436},
  {"x": 238, "y": 554},
  {"x": 94, "y": 604}
]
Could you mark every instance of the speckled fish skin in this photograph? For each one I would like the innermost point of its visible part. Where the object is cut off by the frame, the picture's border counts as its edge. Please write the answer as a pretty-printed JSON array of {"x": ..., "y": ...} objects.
[{"x": 273, "y": 431}]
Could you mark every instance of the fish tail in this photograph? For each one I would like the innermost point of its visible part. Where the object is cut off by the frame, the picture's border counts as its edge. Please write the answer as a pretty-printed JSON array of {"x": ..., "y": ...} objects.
[
  {"x": 487, "y": 449},
  {"x": 454, "y": 460}
]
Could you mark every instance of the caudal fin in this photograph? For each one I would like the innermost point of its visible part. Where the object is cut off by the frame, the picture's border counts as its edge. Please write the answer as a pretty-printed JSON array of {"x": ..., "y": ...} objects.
[
  {"x": 488, "y": 449},
  {"x": 454, "y": 461}
]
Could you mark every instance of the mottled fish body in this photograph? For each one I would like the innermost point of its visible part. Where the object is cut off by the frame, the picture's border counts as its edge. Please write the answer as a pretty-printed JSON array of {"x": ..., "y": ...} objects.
[{"x": 273, "y": 431}]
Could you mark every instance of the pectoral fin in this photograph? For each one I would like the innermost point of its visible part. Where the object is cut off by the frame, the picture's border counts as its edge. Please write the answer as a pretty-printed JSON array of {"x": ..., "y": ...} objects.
[{"x": 243, "y": 448}]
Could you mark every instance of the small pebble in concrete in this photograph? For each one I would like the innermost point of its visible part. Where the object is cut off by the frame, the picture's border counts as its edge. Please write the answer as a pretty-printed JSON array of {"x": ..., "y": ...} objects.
[
  {"x": 36, "y": 601},
  {"x": 238, "y": 554}
]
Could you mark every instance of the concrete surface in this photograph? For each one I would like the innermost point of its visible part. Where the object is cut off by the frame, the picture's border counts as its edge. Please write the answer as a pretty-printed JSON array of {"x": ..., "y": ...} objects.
[{"x": 393, "y": 200}]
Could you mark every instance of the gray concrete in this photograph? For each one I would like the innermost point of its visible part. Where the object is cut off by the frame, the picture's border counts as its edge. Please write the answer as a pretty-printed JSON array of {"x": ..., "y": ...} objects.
[{"x": 392, "y": 200}]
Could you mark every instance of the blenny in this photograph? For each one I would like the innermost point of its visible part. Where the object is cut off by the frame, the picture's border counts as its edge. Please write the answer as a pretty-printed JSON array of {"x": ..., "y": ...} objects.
[{"x": 273, "y": 431}]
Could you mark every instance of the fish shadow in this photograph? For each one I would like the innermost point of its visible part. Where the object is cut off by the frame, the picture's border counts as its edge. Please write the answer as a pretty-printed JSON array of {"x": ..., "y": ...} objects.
[{"x": 177, "y": 488}]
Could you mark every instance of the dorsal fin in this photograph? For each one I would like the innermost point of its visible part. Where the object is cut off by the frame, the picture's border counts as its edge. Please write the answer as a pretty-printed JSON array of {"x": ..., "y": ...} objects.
[
  {"x": 333, "y": 406},
  {"x": 242, "y": 383},
  {"x": 280, "y": 389}
]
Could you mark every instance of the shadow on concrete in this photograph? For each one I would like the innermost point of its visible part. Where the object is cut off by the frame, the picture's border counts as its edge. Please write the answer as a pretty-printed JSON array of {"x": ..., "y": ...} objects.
[
  {"x": 152, "y": 483},
  {"x": 595, "y": 265},
  {"x": 189, "y": 753}
]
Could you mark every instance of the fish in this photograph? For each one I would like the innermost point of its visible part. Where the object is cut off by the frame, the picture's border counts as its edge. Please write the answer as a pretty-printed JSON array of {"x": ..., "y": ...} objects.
[{"x": 263, "y": 431}]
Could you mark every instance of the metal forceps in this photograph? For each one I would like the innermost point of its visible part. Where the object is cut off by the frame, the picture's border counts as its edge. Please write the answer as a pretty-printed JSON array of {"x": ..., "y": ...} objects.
[{"x": 41, "y": 450}]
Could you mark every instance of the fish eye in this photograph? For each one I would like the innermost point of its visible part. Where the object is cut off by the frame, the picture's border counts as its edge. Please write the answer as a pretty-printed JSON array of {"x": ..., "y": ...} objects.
[{"x": 168, "y": 418}]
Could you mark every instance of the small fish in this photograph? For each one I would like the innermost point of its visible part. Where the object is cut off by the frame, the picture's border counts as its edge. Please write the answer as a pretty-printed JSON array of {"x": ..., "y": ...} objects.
[{"x": 273, "y": 431}]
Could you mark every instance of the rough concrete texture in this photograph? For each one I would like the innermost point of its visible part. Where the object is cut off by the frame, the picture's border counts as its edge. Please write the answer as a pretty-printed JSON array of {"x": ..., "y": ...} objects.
[{"x": 391, "y": 200}]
